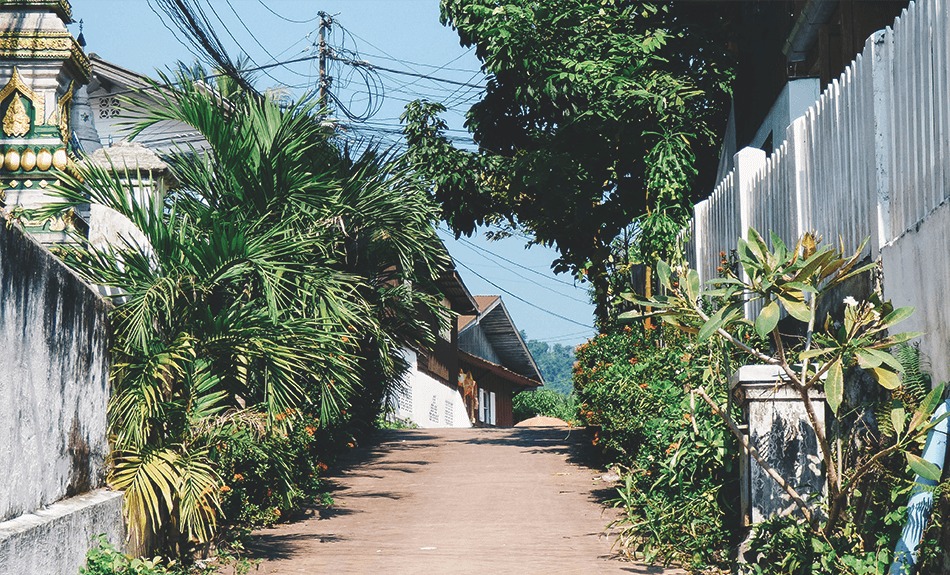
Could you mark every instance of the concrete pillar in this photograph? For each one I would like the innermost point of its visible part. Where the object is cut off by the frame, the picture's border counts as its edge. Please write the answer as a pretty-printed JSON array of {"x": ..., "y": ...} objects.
[{"x": 776, "y": 425}]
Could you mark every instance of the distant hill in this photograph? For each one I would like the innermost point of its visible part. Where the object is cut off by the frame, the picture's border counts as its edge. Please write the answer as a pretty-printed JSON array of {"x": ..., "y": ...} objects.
[{"x": 555, "y": 362}]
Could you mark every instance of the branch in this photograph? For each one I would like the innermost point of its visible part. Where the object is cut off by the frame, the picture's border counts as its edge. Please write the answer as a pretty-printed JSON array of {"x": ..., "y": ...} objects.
[{"x": 799, "y": 501}]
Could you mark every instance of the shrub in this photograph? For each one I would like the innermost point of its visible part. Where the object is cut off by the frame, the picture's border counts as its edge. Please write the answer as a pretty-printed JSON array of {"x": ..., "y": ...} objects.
[
  {"x": 680, "y": 493},
  {"x": 105, "y": 559},
  {"x": 268, "y": 478}
]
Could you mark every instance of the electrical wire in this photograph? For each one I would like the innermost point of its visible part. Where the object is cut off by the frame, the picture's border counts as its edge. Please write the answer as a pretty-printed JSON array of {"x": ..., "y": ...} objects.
[
  {"x": 480, "y": 248},
  {"x": 284, "y": 18},
  {"x": 519, "y": 298}
]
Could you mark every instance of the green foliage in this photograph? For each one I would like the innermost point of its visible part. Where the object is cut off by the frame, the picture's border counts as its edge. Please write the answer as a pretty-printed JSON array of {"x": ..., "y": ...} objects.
[
  {"x": 555, "y": 362},
  {"x": 267, "y": 292},
  {"x": 105, "y": 559},
  {"x": 547, "y": 402},
  {"x": 795, "y": 281},
  {"x": 680, "y": 491},
  {"x": 592, "y": 117},
  {"x": 784, "y": 545},
  {"x": 267, "y": 478}
]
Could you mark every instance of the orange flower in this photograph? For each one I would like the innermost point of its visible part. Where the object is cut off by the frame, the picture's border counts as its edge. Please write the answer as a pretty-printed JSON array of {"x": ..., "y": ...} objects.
[
  {"x": 722, "y": 254},
  {"x": 310, "y": 430},
  {"x": 673, "y": 447},
  {"x": 644, "y": 385},
  {"x": 238, "y": 477},
  {"x": 321, "y": 466},
  {"x": 345, "y": 339},
  {"x": 688, "y": 417},
  {"x": 225, "y": 489}
]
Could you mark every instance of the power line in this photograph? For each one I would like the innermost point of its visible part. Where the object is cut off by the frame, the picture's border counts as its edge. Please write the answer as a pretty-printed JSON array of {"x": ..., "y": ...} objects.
[
  {"x": 367, "y": 65},
  {"x": 478, "y": 247},
  {"x": 284, "y": 18},
  {"x": 522, "y": 300}
]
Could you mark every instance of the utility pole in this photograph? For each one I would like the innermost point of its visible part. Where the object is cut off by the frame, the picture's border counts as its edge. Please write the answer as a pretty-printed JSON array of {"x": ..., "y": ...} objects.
[{"x": 325, "y": 22}]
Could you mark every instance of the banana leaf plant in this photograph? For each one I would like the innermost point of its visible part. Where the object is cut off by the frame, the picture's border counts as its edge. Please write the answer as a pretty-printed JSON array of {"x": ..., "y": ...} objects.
[{"x": 795, "y": 281}]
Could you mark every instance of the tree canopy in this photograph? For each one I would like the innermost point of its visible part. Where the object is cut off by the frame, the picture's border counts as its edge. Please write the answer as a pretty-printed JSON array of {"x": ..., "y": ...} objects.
[{"x": 592, "y": 118}]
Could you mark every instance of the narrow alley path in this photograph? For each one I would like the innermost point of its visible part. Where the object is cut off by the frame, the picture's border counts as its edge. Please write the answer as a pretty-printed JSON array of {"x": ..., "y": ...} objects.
[{"x": 455, "y": 501}]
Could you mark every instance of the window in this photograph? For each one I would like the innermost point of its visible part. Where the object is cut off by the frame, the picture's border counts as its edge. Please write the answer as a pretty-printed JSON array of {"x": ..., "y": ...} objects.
[{"x": 486, "y": 409}]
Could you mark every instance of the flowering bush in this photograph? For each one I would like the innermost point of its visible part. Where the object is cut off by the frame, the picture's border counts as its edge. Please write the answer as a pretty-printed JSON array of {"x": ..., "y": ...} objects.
[
  {"x": 266, "y": 479},
  {"x": 680, "y": 491}
]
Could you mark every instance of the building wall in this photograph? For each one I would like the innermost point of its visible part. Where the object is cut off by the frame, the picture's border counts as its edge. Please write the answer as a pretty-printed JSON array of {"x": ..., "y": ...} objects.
[
  {"x": 428, "y": 402},
  {"x": 504, "y": 415},
  {"x": 474, "y": 341}
]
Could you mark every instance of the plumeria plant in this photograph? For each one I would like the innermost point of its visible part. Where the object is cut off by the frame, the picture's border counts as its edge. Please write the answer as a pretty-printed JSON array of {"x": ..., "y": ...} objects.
[{"x": 796, "y": 281}]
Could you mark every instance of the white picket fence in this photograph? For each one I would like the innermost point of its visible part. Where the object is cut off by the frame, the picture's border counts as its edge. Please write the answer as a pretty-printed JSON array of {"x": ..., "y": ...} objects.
[{"x": 868, "y": 160}]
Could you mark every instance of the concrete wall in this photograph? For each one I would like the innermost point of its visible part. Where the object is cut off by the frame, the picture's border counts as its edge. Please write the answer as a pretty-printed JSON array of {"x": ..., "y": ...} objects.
[
  {"x": 54, "y": 379},
  {"x": 917, "y": 273},
  {"x": 54, "y": 393},
  {"x": 54, "y": 540}
]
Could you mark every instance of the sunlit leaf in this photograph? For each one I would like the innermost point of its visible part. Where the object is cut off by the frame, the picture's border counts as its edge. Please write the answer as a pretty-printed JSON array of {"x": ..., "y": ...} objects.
[
  {"x": 927, "y": 407},
  {"x": 866, "y": 359},
  {"x": 768, "y": 319},
  {"x": 796, "y": 308},
  {"x": 692, "y": 285},
  {"x": 886, "y": 377},
  {"x": 925, "y": 469},
  {"x": 834, "y": 386},
  {"x": 898, "y": 417},
  {"x": 663, "y": 273},
  {"x": 897, "y": 316}
]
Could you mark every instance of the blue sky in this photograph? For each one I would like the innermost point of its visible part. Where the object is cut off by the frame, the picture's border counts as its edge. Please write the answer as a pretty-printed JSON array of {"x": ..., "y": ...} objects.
[{"x": 406, "y": 38}]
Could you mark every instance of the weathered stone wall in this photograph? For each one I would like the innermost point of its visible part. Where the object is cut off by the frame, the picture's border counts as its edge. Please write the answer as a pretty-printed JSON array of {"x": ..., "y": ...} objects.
[{"x": 54, "y": 374}]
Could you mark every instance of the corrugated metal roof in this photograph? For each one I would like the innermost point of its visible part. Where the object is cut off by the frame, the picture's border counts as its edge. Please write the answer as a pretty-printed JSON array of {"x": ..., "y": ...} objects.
[
  {"x": 458, "y": 295},
  {"x": 495, "y": 322}
]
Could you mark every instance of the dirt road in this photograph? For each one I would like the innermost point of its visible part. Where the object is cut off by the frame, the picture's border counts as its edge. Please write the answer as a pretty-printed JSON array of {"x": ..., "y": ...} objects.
[{"x": 456, "y": 501}]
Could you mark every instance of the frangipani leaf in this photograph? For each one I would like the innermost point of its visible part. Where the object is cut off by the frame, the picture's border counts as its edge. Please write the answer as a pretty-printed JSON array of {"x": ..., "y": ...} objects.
[
  {"x": 834, "y": 386},
  {"x": 796, "y": 308},
  {"x": 925, "y": 469},
  {"x": 768, "y": 319},
  {"x": 663, "y": 272},
  {"x": 927, "y": 407},
  {"x": 692, "y": 285},
  {"x": 887, "y": 378},
  {"x": 717, "y": 320},
  {"x": 866, "y": 360},
  {"x": 884, "y": 358},
  {"x": 898, "y": 417},
  {"x": 897, "y": 316}
]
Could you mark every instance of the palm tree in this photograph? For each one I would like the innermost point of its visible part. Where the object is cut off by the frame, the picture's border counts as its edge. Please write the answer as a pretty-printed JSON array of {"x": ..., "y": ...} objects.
[{"x": 278, "y": 276}]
